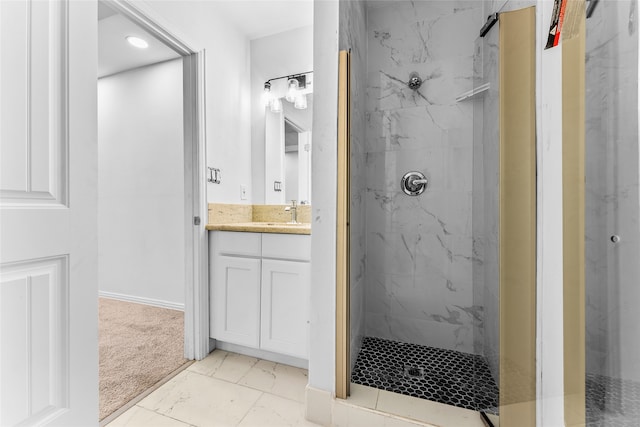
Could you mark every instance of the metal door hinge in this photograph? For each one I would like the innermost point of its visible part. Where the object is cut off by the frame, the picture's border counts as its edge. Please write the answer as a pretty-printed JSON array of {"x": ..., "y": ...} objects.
[{"x": 196, "y": 220}]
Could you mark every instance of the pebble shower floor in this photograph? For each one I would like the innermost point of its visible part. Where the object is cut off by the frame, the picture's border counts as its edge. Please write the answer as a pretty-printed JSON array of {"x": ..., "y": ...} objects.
[{"x": 444, "y": 376}]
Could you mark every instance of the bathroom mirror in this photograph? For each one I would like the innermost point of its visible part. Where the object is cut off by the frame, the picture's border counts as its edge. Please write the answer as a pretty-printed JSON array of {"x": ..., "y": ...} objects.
[{"x": 288, "y": 154}]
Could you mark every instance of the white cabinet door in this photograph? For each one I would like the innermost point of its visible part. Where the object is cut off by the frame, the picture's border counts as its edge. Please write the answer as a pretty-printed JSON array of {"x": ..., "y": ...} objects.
[
  {"x": 284, "y": 307},
  {"x": 235, "y": 300},
  {"x": 48, "y": 213}
]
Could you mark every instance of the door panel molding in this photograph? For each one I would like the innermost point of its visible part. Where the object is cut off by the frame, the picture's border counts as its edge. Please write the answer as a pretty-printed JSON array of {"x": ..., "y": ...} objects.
[
  {"x": 35, "y": 140},
  {"x": 34, "y": 340}
]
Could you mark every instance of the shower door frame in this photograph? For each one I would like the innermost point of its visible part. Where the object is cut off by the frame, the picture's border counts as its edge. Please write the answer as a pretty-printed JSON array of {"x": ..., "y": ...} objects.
[{"x": 343, "y": 259}]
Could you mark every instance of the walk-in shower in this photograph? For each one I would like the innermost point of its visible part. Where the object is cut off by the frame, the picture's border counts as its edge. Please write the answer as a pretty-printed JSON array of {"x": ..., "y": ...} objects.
[
  {"x": 424, "y": 200},
  {"x": 443, "y": 238}
]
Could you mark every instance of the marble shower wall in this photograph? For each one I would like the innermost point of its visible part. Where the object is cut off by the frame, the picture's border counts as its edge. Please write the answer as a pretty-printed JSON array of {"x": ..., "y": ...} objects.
[
  {"x": 419, "y": 250},
  {"x": 353, "y": 35},
  {"x": 612, "y": 191},
  {"x": 486, "y": 200}
]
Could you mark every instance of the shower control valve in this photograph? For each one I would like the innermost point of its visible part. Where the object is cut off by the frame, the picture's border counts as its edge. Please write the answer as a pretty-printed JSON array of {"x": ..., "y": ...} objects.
[{"x": 414, "y": 183}]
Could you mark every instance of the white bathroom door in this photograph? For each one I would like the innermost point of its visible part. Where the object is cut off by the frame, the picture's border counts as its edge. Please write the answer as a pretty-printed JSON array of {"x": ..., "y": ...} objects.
[{"x": 48, "y": 213}]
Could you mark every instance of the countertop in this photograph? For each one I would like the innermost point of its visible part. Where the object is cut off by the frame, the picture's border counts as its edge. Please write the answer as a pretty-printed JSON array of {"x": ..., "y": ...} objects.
[{"x": 262, "y": 227}]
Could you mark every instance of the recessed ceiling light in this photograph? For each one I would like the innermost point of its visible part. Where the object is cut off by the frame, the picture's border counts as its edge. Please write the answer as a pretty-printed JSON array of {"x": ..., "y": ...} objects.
[{"x": 137, "y": 42}]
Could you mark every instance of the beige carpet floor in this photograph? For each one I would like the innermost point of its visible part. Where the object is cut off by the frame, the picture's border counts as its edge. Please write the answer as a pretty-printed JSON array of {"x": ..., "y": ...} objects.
[{"x": 139, "y": 346}]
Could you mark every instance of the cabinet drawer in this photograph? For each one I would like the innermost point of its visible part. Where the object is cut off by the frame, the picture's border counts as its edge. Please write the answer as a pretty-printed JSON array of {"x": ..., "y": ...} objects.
[
  {"x": 235, "y": 243},
  {"x": 286, "y": 246}
]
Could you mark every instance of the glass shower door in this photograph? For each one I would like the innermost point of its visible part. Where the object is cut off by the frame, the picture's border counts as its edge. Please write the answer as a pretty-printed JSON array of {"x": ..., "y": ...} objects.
[
  {"x": 612, "y": 212},
  {"x": 504, "y": 211}
]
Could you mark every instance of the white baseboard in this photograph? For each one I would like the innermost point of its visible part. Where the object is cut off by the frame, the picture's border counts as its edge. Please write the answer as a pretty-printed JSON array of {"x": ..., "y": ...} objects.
[
  {"x": 318, "y": 406},
  {"x": 142, "y": 300}
]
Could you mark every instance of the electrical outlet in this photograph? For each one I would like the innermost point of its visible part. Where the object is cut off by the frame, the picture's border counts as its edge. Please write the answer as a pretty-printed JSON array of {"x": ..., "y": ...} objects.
[{"x": 243, "y": 192}]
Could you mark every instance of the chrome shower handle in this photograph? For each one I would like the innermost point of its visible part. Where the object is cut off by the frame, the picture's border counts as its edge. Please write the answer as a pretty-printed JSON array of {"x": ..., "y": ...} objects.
[{"x": 414, "y": 183}]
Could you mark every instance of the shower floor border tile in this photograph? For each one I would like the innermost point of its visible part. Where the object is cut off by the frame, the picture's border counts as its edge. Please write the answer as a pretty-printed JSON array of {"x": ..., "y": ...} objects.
[
  {"x": 438, "y": 375},
  {"x": 410, "y": 410},
  {"x": 611, "y": 402}
]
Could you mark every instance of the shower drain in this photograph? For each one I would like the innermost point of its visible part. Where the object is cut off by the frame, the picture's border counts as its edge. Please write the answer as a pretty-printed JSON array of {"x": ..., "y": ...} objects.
[{"x": 413, "y": 372}]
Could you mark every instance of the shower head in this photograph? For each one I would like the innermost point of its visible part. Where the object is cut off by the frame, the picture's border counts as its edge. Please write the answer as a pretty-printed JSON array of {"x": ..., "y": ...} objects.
[{"x": 414, "y": 81}]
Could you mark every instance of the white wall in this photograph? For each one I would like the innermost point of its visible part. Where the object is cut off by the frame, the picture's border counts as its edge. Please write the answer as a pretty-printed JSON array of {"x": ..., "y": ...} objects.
[
  {"x": 202, "y": 26},
  {"x": 289, "y": 52},
  {"x": 141, "y": 196},
  {"x": 323, "y": 185}
]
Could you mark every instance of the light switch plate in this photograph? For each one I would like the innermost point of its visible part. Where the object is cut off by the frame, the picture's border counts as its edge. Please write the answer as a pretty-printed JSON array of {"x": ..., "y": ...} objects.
[{"x": 243, "y": 192}]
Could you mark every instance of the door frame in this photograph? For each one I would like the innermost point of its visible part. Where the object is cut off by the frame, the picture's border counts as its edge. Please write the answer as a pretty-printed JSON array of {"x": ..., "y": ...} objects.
[{"x": 196, "y": 303}]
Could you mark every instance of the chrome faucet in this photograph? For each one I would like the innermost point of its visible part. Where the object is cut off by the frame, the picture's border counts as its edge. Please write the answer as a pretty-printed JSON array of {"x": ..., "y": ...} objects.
[{"x": 294, "y": 212}]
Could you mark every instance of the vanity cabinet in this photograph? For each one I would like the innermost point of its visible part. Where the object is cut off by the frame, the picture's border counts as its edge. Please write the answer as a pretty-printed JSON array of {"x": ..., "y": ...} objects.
[
  {"x": 259, "y": 290},
  {"x": 236, "y": 300},
  {"x": 283, "y": 307}
]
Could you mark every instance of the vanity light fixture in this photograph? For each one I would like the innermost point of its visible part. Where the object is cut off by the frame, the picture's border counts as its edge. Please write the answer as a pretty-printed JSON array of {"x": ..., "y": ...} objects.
[
  {"x": 137, "y": 42},
  {"x": 296, "y": 92}
]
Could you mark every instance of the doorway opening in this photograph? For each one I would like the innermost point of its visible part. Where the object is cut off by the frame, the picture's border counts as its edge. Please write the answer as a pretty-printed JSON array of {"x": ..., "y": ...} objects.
[{"x": 150, "y": 150}]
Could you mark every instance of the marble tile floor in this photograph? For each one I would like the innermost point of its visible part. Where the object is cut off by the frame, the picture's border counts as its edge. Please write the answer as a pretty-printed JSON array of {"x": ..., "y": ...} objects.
[
  {"x": 224, "y": 389},
  {"x": 388, "y": 409}
]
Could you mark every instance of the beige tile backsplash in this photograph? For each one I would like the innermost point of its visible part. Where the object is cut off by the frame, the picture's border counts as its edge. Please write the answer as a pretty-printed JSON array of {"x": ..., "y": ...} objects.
[
  {"x": 222, "y": 213},
  {"x": 276, "y": 213}
]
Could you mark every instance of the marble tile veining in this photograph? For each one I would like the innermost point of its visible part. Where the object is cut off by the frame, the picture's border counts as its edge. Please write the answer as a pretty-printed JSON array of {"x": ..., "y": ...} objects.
[
  {"x": 201, "y": 400},
  {"x": 224, "y": 389},
  {"x": 275, "y": 411},
  {"x": 275, "y": 378},
  {"x": 225, "y": 366},
  {"x": 485, "y": 199},
  {"x": 139, "y": 416},
  {"x": 419, "y": 250}
]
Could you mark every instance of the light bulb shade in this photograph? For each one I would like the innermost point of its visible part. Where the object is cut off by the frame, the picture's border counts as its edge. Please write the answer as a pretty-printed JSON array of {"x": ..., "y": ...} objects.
[
  {"x": 276, "y": 105},
  {"x": 292, "y": 90},
  {"x": 267, "y": 96},
  {"x": 301, "y": 101}
]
